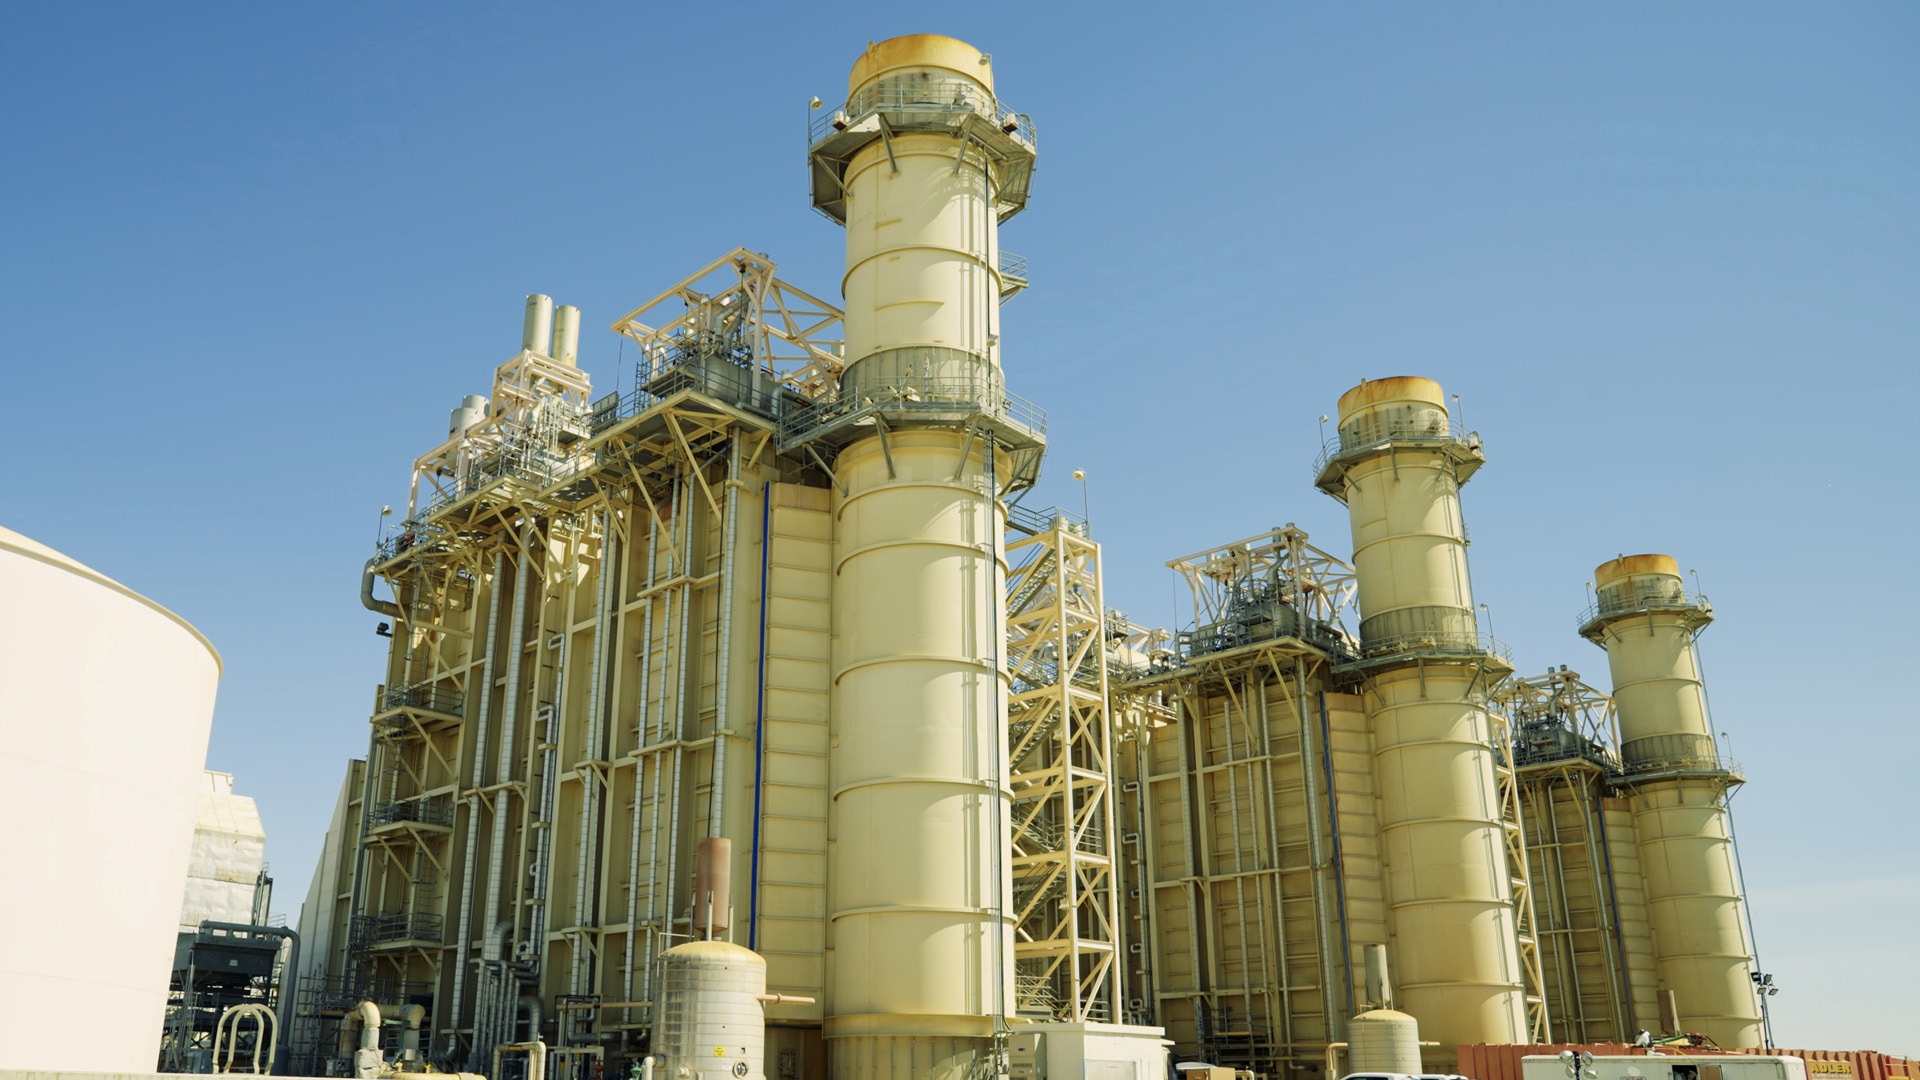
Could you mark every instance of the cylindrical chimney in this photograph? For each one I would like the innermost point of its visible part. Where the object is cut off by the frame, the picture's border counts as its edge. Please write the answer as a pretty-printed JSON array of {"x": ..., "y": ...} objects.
[
  {"x": 922, "y": 281},
  {"x": 536, "y": 333},
  {"x": 921, "y": 907},
  {"x": 1455, "y": 946},
  {"x": 1646, "y": 620},
  {"x": 566, "y": 335}
]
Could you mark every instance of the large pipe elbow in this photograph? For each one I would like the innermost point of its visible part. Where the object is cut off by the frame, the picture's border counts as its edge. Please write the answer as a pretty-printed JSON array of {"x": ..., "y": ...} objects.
[
  {"x": 367, "y": 600},
  {"x": 410, "y": 1038},
  {"x": 368, "y": 1014},
  {"x": 536, "y": 1016}
]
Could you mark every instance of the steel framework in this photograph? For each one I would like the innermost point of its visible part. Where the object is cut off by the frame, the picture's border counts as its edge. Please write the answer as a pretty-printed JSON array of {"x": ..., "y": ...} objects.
[
  {"x": 1274, "y": 584},
  {"x": 1235, "y": 806},
  {"x": 765, "y": 324},
  {"x": 1514, "y": 834},
  {"x": 569, "y": 669},
  {"x": 1563, "y": 743},
  {"x": 1060, "y": 773}
]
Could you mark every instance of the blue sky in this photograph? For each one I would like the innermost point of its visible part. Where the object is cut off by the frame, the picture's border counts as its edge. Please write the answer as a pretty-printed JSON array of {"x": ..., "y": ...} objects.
[{"x": 1668, "y": 255}]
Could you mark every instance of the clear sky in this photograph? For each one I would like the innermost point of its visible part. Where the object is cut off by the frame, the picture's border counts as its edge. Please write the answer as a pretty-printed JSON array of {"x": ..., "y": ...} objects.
[{"x": 1667, "y": 254}]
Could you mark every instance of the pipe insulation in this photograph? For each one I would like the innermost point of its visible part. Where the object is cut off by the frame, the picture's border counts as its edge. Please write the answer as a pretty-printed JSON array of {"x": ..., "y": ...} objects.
[{"x": 477, "y": 777}]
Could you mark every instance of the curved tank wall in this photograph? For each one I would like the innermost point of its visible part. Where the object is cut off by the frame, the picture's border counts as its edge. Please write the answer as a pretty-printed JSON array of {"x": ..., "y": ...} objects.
[{"x": 106, "y": 699}]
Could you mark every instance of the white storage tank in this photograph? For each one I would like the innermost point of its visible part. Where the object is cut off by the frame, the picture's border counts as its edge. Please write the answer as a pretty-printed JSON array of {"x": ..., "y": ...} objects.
[
  {"x": 106, "y": 699},
  {"x": 1384, "y": 1041},
  {"x": 708, "y": 1019}
]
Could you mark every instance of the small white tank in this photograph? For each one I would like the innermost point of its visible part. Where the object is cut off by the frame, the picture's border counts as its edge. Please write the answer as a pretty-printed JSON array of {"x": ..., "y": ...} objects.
[
  {"x": 1382, "y": 1040},
  {"x": 708, "y": 1020}
]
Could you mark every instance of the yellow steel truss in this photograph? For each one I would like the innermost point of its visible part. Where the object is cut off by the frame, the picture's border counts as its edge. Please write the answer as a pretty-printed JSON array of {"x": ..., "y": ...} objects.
[{"x": 1060, "y": 775}]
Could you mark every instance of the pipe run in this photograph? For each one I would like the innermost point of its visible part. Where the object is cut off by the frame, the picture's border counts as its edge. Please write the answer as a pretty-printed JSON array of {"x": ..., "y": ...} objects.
[
  {"x": 410, "y": 1038},
  {"x": 464, "y": 936},
  {"x": 227, "y": 1030},
  {"x": 366, "y": 1017},
  {"x": 367, "y": 600},
  {"x": 536, "y": 1016},
  {"x": 722, "y": 722},
  {"x": 759, "y": 719},
  {"x": 536, "y": 1052}
]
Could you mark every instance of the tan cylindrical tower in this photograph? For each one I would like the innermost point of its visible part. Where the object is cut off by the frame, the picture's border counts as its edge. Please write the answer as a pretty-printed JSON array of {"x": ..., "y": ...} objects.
[
  {"x": 920, "y": 975},
  {"x": 1399, "y": 468},
  {"x": 1646, "y": 621},
  {"x": 566, "y": 335}
]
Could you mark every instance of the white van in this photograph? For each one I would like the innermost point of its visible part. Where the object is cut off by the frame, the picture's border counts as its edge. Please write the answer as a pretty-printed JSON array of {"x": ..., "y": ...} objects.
[{"x": 1666, "y": 1067}]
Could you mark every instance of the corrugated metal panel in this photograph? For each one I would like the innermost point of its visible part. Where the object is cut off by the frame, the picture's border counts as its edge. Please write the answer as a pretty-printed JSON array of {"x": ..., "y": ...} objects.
[
  {"x": 1502, "y": 1062},
  {"x": 792, "y": 901}
]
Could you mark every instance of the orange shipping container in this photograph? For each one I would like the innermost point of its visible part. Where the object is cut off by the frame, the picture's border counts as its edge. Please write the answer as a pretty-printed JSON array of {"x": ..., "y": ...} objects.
[{"x": 1502, "y": 1061}]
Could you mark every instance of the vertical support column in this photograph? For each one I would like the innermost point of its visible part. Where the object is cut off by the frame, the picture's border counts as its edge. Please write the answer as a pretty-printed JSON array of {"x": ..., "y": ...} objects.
[
  {"x": 1399, "y": 468},
  {"x": 1646, "y": 621}
]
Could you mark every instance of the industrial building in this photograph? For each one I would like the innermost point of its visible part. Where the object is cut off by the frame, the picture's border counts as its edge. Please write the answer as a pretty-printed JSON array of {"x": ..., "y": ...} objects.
[{"x": 779, "y": 608}]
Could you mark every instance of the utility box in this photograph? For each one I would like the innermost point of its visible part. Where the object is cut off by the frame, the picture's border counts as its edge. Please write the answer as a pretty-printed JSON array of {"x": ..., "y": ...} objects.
[
  {"x": 1093, "y": 1051},
  {"x": 1668, "y": 1067}
]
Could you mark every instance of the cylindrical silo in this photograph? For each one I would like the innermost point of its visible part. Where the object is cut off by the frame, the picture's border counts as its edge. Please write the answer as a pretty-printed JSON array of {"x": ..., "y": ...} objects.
[
  {"x": 106, "y": 699},
  {"x": 921, "y": 962},
  {"x": 708, "y": 1019},
  {"x": 1399, "y": 468},
  {"x": 1646, "y": 621}
]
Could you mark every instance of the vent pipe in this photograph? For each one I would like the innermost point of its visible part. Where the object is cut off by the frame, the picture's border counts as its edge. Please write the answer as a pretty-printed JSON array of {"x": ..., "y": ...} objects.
[
  {"x": 566, "y": 335},
  {"x": 712, "y": 886},
  {"x": 1379, "y": 986},
  {"x": 472, "y": 410},
  {"x": 536, "y": 334}
]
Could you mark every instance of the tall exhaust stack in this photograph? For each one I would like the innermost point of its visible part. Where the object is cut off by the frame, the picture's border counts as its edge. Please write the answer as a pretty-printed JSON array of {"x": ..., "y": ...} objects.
[
  {"x": 920, "y": 166},
  {"x": 1646, "y": 620},
  {"x": 1398, "y": 467}
]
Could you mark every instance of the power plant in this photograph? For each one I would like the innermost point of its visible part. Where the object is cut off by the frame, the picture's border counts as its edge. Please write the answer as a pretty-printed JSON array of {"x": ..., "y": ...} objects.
[
  {"x": 745, "y": 724},
  {"x": 779, "y": 607}
]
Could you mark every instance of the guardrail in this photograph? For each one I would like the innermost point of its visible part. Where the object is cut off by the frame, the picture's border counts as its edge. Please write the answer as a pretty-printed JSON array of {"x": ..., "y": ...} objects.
[
  {"x": 1034, "y": 522},
  {"x": 915, "y": 101},
  {"x": 371, "y": 930},
  {"x": 425, "y": 696},
  {"x": 1476, "y": 642},
  {"x": 1340, "y": 446},
  {"x": 420, "y": 811},
  {"x": 912, "y": 394},
  {"x": 1642, "y": 601},
  {"x": 529, "y": 462}
]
